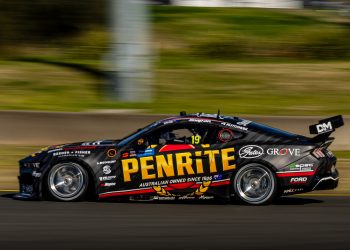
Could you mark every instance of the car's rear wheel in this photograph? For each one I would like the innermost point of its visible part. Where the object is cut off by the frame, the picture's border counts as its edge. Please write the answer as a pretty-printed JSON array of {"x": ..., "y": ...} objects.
[
  {"x": 254, "y": 184},
  {"x": 67, "y": 181}
]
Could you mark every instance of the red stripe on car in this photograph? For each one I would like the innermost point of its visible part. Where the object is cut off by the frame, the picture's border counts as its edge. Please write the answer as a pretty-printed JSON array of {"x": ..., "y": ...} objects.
[
  {"x": 176, "y": 147},
  {"x": 292, "y": 174}
]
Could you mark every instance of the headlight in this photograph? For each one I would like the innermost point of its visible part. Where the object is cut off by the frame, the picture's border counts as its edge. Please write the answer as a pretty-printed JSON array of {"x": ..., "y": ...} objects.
[{"x": 32, "y": 165}]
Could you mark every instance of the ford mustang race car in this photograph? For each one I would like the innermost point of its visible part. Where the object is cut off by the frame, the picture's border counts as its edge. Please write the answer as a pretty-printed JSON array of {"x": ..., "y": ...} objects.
[{"x": 187, "y": 157}]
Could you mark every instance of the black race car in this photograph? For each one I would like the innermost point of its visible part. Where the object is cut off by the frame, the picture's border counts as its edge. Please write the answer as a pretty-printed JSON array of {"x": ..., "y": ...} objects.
[{"x": 196, "y": 156}]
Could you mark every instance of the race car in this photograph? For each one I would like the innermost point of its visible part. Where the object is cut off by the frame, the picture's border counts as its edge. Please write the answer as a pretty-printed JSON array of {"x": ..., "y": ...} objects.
[{"x": 187, "y": 157}]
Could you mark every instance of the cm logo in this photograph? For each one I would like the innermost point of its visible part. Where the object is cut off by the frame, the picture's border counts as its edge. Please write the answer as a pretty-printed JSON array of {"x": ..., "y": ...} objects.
[{"x": 324, "y": 127}]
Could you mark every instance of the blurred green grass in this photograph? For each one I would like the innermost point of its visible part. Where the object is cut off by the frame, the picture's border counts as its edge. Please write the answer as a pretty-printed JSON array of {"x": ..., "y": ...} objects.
[
  {"x": 236, "y": 88},
  {"x": 342, "y": 154},
  {"x": 243, "y": 61},
  {"x": 251, "y": 34}
]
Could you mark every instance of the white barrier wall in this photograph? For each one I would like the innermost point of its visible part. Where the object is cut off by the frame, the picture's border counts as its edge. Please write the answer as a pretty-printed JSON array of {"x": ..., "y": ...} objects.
[{"x": 241, "y": 3}]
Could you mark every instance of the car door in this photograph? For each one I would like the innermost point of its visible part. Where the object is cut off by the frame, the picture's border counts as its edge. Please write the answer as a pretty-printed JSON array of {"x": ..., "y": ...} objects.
[
  {"x": 160, "y": 159},
  {"x": 220, "y": 143},
  {"x": 211, "y": 152},
  {"x": 174, "y": 160}
]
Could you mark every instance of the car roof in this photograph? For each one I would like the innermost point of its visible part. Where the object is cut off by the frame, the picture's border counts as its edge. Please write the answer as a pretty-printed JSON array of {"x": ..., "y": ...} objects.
[
  {"x": 233, "y": 120},
  {"x": 217, "y": 117},
  {"x": 227, "y": 121}
]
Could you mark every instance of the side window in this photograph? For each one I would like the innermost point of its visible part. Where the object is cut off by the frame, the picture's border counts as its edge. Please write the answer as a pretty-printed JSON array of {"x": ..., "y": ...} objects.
[
  {"x": 172, "y": 135},
  {"x": 175, "y": 136},
  {"x": 217, "y": 135},
  {"x": 192, "y": 134}
]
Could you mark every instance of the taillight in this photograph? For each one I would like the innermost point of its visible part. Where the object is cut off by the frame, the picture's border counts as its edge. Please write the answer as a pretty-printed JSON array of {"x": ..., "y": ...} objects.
[
  {"x": 328, "y": 152},
  {"x": 318, "y": 153}
]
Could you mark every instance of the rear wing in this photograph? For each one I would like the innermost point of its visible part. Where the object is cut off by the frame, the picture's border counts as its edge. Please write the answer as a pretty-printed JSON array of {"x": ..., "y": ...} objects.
[{"x": 325, "y": 127}]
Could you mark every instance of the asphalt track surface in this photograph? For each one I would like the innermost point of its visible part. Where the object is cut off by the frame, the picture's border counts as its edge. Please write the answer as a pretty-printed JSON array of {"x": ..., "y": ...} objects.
[{"x": 290, "y": 223}]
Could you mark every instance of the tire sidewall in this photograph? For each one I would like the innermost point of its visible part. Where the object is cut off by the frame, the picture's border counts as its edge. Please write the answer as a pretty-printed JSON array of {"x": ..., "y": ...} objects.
[
  {"x": 77, "y": 197},
  {"x": 268, "y": 199}
]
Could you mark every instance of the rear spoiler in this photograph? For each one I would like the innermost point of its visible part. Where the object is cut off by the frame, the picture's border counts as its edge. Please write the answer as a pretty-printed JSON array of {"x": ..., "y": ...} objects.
[{"x": 324, "y": 128}]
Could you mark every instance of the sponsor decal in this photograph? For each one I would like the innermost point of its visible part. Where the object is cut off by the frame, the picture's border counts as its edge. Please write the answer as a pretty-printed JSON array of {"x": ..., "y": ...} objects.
[
  {"x": 225, "y": 135},
  {"x": 177, "y": 183},
  {"x": 106, "y": 169},
  {"x": 140, "y": 141},
  {"x": 200, "y": 190},
  {"x": 215, "y": 116},
  {"x": 108, "y": 184},
  {"x": 76, "y": 153},
  {"x": 36, "y": 174},
  {"x": 178, "y": 164},
  {"x": 154, "y": 183},
  {"x": 205, "y": 197},
  {"x": 92, "y": 143},
  {"x": 300, "y": 167},
  {"x": 293, "y": 190},
  {"x": 283, "y": 151},
  {"x": 199, "y": 120},
  {"x": 244, "y": 122},
  {"x": 32, "y": 165},
  {"x": 250, "y": 151},
  {"x": 164, "y": 198},
  {"x": 234, "y": 126},
  {"x": 111, "y": 152},
  {"x": 106, "y": 162},
  {"x": 107, "y": 178},
  {"x": 150, "y": 190},
  {"x": 324, "y": 127},
  {"x": 186, "y": 198},
  {"x": 146, "y": 152},
  {"x": 298, "y": 180}
]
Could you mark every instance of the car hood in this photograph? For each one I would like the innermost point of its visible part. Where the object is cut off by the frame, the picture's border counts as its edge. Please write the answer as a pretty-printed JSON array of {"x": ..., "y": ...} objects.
[
  {"x": 87, "y": 144},
  {"x": 69, "y": 146}
]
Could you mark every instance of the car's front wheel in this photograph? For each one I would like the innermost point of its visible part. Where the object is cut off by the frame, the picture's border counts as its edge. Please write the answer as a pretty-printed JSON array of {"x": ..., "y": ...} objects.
[
  {"x": 254, "y": 184},
  {"x": 67, "y": 181}
]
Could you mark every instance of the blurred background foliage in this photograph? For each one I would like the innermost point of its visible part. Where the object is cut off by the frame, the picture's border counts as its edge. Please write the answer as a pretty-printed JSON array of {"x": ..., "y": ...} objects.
[
  {"x": 32, "y": 21},
  {"x": 242, "y": 60}
]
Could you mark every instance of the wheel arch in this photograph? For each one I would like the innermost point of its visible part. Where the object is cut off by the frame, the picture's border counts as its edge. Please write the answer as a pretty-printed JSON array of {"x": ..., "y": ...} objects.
[
  {"x": 257, "y": 161},
  {"x": 265, "y": 163},
  {"x": 91, "y": 190}
]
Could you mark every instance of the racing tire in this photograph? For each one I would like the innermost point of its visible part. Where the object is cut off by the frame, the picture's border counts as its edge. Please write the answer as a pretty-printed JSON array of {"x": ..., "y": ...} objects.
[
  {"x": 254, "y": 184},
  {"x": 67, "y": 181}
]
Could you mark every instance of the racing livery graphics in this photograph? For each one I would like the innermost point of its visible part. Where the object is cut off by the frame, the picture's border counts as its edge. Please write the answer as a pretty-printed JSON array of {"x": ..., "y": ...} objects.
[
  {"x": 195, "y": 156},
  {"x": 183, "y": 165}
]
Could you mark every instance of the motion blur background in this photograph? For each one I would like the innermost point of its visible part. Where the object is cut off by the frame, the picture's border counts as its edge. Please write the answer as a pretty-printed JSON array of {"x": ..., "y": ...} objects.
[
  {"x": 290, "y": 60},
  {"x": 275, "y": 58}
]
